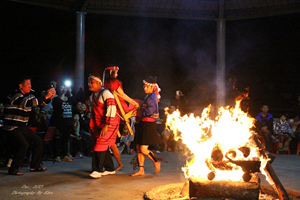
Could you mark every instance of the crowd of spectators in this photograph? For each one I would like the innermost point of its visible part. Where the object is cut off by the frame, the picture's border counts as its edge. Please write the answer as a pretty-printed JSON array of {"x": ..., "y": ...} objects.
[
  {"x": 63, "y": 111},
  {"x": 72, "y": 140},
  {"x": 277, "y": 132}
]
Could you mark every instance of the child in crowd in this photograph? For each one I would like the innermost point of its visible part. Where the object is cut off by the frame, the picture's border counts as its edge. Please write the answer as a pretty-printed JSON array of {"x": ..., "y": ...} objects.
[
  {"x": 282, "y": 131},
  {"x": 76, "y": 143},
  {"x": 125, "y": 141}
]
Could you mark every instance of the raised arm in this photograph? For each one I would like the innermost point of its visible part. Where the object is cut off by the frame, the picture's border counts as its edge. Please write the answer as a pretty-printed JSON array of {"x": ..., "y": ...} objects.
[{"x": 126, "y": 97}]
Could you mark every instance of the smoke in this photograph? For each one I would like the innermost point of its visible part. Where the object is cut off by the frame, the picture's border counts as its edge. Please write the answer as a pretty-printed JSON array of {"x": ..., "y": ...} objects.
[{"x": 178, "y": 52}]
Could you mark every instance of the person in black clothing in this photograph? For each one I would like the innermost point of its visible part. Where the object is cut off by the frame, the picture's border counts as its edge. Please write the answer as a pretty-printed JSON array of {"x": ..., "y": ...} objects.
[
  {"x": 62, "y": 119},
  {"x": 20, "y": 137}
]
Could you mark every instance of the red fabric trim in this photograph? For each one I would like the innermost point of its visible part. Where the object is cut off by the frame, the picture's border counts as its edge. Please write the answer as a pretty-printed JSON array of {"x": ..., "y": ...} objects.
[
  {"x": 148, "y": 119},
  {"x": 110, "y": 102},
  {"x": 112, "y": 68}
]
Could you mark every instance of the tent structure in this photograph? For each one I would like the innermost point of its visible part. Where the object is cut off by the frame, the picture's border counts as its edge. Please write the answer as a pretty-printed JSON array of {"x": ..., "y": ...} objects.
[{"x": 213, "y": 10}]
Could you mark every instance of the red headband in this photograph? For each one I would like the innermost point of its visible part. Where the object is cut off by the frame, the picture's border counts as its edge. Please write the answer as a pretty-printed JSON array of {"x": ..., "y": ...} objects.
[
  {"x": 151, "y": 84},
  {"x": 156, "y": 89},
  {"x": 114, "y": 68}
]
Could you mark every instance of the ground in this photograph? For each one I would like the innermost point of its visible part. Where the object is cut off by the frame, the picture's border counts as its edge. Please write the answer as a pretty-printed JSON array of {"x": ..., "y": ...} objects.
[{"x": 71, "y": 180}]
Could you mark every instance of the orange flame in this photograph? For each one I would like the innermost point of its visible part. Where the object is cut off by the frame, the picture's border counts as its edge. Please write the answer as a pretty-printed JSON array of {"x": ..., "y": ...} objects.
[{"x": 213, "y": 143}]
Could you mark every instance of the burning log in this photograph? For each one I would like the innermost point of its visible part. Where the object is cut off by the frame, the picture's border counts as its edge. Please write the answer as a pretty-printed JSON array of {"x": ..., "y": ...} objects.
[
  {"x": 248, "y": 166},
  {"x": 203, "y": 188},
  {"x": 217, "y": 160},
  {"x": 247, "y": 177},
  {"x": 217, "y": 154},
  {"x": 245, "y": 151},
  {"x": 231, "y": 153},
  {"x": 222, "y": 166},
  {"x": 211, "y": 176},
  {"x": 278, "y": 187}
]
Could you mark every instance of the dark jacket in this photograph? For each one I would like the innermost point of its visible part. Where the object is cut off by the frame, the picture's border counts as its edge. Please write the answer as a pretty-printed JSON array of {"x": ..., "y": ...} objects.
[{"x": 264, "y": 121}]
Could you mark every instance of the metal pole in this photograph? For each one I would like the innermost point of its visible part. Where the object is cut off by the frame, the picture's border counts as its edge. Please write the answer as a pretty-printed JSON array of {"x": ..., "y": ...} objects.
[
  {"x": 220, "y": 71},
  {"x": 79, "y": 66}
]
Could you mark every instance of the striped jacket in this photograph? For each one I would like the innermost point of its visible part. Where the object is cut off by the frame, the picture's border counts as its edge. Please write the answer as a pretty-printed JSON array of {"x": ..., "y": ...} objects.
[
  {"x": 104, "y": 110},
  {"x": 18, "y": 107}
]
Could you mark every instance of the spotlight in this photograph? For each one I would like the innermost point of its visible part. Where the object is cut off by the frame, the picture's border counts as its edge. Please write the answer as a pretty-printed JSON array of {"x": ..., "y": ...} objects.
[{"x": 68, "y": 83}]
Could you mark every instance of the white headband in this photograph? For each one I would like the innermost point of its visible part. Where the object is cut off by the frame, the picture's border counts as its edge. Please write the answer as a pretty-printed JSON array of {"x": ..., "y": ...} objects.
[{"x": 96, "y": 78}]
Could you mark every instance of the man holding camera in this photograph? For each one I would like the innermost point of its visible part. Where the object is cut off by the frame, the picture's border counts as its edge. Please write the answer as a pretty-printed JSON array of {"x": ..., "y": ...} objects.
[{"x": 19, "y": 136}]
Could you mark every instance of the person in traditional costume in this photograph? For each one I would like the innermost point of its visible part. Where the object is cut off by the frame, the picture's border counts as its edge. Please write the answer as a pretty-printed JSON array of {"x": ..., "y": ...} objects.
[
  {"x": 111, "y": 82},
  {"x": 104, "y": 125},
  {"x": 146, "y": 133}
]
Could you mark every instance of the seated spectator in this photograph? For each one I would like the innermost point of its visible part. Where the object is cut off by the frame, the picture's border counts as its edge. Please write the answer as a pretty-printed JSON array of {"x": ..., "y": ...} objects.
[
  {"x": 38, "y": 120},
  {"x": 125, "y": 141},
  {"x": 264, "y": 125},
  {"x": 282, "y": 131},
  {"x": 296, "y": 124}
]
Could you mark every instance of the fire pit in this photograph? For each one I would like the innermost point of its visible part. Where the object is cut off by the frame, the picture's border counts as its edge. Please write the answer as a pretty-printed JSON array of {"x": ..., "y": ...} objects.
[{"x": 226, "y": 155}]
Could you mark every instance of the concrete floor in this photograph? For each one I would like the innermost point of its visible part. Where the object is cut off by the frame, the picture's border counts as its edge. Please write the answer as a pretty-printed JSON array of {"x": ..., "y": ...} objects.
[{"x": 71, "y": 180}]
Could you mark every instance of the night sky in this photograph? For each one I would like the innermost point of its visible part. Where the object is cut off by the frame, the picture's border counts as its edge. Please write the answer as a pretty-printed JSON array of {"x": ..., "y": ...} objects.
[{"x": 262, "y": 54}]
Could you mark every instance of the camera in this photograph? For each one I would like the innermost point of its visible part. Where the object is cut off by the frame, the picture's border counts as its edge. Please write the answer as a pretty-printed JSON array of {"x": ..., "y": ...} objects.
[{"x": 52, "y": 84}]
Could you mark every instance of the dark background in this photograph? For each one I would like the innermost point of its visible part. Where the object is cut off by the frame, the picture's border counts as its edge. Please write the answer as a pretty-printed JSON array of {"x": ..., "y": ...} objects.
[{"x": 262, "y": 54}]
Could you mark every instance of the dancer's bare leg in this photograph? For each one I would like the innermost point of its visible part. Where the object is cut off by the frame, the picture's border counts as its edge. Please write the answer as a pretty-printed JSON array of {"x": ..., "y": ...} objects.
[
  {"x": 150, "y": 155},
  {"x": 141, "y": 160},
  {"x": 117, "y": 155}
]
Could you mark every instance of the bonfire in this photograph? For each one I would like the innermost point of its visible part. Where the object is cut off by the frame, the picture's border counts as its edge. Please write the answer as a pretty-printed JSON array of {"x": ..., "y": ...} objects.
[{"x": 224, "y": 148}]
